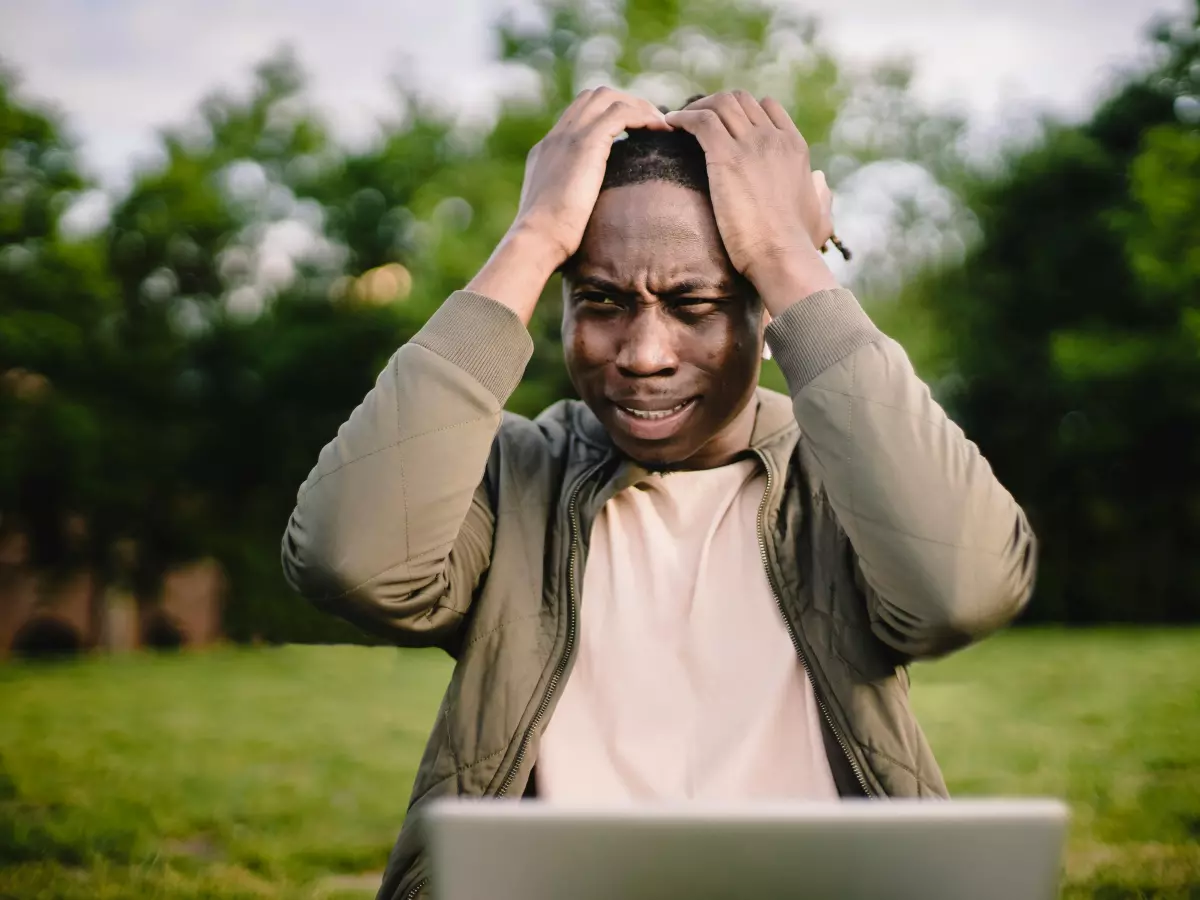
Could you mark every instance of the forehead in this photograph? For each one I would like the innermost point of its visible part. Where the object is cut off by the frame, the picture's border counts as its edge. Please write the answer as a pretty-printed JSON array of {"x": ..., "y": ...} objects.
[{"x": 655, "y": 228}]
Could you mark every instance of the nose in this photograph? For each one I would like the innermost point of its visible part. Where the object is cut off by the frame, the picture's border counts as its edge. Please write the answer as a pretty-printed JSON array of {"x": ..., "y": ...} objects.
[{"x": 648, "y": 345}]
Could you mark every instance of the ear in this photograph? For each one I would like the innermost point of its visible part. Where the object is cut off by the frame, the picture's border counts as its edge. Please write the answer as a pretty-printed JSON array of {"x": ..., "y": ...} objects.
[{"x": 762, "y": 333}]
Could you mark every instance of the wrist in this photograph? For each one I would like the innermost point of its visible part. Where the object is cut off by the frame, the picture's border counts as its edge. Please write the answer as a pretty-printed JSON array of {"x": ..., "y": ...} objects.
[
  {"x": 785, "y": 279},
  {"x": 517, "y": 271},
  {"x": 538, "y": 244}
]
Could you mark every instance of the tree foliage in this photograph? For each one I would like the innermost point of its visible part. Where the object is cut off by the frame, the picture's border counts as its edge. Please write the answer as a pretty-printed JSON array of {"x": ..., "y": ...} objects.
[
  {"x": 166, "y": 383},
  {"x": 1068, "y": 345}
]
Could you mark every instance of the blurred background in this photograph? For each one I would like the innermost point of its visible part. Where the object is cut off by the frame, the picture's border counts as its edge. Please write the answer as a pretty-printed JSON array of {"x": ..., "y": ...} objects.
[{"x": 218, "y": 220}]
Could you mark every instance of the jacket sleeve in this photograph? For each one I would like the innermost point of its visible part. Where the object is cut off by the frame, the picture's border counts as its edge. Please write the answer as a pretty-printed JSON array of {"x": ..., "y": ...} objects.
[
  {"x": 393, "y": 528},
  {"x": 944, "y": 554}
]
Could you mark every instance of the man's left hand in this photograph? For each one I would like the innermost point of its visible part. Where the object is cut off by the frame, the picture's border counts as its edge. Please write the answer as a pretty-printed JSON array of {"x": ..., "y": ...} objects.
[{"x": 772, "y": 210}]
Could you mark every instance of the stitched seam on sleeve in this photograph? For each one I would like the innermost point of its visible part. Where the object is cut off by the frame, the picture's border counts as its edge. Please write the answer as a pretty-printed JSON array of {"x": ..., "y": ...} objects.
[
  {"x": 928, "y": 540},
  {"x": 874, "y": 402},
  {"x": 362, "y": 584},
  {"x": 449, "y": 737},
  {"x": 502, "y": 625},
  {"x": 411, "y": 437},
  {"x": 899, "y": 764},
  {"x": 850, "y": 433},
  {"x": 481, "y": 759},
  {"x": 403, "y": 497}
]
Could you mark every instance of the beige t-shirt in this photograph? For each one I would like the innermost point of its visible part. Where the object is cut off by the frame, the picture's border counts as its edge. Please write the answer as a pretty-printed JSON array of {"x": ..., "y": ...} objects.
[{"x": 685, "y": 684}]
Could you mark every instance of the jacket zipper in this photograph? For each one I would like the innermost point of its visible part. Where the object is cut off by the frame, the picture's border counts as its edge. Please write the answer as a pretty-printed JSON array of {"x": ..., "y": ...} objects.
[
  {"x": 556, "y": 675},
  {"x": 766, "y": 560}
]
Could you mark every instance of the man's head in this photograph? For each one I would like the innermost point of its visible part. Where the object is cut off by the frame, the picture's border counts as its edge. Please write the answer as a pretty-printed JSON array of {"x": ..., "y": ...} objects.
[{"x": 662, "y": 337}]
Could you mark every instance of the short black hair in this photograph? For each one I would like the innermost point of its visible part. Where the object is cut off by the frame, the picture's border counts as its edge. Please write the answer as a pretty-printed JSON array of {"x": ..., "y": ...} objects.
[{"x": 672, "y": 156}]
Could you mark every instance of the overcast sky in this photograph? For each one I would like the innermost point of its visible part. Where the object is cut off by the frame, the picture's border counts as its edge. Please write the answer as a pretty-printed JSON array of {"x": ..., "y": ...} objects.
[{"x": 120, "y": 68}]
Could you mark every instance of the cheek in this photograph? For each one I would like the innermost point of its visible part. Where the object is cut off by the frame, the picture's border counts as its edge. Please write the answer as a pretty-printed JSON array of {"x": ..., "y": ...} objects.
[
  {"x": 585, "y": 346},
  {"x": 725, "y": 348}
]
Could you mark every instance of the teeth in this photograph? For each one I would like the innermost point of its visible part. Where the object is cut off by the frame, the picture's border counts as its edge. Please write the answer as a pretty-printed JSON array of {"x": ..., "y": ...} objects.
[{"x": 654, "y": 413}]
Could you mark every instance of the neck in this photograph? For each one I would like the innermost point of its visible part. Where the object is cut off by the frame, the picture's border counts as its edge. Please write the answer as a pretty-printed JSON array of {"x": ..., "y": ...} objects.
[{"x": 725, "y": 446}]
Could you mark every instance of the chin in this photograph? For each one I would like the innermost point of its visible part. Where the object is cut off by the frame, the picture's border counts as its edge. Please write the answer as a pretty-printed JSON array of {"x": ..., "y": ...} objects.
[{"x": 654, "y": 455}]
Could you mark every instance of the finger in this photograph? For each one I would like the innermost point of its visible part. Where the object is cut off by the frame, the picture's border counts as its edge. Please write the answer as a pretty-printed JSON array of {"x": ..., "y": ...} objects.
[
  {"x": 777, "y": 114},
  {"x": 707, "y": 128},
  {"x": 824, "y": 194},
  {"x": 588, "y": 105},
  {"x": 623, "y": 115},
  {"x": 821, "y": 186},
  {"x": 733, "y": 117},
  {"x": 600, "y": 99},
  {"x": 751, "y": 107},
  {"x": 571, "y": 114},
  {"x": 603, "y": 98},
  {"x": 825, "y": 203}
]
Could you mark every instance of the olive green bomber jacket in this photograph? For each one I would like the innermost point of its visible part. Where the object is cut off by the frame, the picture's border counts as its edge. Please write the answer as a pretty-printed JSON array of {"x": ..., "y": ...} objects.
[{"x": 434, "y": 518}]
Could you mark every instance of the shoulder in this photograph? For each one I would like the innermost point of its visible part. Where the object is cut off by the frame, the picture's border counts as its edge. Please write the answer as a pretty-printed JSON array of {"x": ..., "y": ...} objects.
[
  {"x": 563, "y": 433},
  {"x": 778, "y": 436},
  {"x": 553, "y": 428}
]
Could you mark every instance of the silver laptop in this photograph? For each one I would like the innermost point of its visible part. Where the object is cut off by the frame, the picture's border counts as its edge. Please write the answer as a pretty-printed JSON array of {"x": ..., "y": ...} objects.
[{"x": 881, "y": 850}]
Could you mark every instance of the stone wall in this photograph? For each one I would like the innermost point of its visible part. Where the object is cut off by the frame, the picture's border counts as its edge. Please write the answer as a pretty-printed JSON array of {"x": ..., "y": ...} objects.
[{"x": 73, "y": 612}]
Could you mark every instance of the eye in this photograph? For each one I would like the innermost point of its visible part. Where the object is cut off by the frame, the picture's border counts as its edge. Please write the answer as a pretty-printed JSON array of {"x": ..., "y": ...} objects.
[
  {"x": 697, "y": 306},
  {"x": 597, "y": 300}
]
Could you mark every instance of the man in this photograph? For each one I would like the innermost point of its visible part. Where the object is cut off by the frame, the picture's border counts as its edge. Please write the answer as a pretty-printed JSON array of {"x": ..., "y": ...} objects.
[{"x": 683, "y": 586}]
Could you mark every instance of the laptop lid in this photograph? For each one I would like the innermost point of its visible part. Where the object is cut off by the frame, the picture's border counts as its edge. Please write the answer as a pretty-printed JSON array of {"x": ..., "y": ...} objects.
[{"x": 900, "y": 849}]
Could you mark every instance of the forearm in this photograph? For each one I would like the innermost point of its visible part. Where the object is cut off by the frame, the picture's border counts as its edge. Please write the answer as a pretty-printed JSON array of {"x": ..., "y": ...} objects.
[
  {"x": 785, "y": 281},
  {"x": 945, "y": 551},
  {"x": 517, "y": 271}
]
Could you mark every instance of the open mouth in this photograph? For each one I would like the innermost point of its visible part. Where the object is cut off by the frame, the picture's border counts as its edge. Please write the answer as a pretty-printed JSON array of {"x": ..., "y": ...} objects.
[
  {"x": 651, "y": 414},
  {"x": 654, "y": 424}
]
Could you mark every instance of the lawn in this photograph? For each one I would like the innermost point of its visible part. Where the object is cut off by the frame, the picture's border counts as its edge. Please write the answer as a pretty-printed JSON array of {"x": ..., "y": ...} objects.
[{"x": 283, "y": 773}]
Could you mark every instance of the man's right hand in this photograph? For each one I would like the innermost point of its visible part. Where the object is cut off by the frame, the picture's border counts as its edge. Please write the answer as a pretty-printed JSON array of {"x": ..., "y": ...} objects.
[
  {"x": 565, "y": 169},
  {"x": 563, "y": 174}
]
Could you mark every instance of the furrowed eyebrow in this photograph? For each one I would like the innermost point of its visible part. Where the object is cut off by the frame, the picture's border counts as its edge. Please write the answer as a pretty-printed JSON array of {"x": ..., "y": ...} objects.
[
  {"x": 599, "y": 284},
  {"x": 678, "y": 289},
  {"x": 697, "y": 285}
]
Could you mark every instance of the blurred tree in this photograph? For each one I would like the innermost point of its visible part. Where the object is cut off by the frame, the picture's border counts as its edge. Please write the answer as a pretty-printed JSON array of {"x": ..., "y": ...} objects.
[
  {"x": 54, "y": 297},
  {"x": 158, "y": 378},
  {"x": 1069, "y": 347},
  {"x": 234, "y": 366},
  {"x": 254, "y": 279}
]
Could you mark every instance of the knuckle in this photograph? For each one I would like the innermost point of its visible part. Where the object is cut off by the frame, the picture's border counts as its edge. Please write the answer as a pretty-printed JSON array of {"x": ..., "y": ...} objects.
[
  {"x": 732, "y": 160},
  {"x": 557, "y": 142}
]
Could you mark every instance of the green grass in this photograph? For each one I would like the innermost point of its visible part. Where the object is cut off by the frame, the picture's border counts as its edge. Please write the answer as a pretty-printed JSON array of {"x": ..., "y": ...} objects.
[{"x": 283, "y": 773}]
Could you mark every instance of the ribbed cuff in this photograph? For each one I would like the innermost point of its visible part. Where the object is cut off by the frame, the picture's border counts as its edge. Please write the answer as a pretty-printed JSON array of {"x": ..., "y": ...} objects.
[
  {"x": 820, "y": 330},
  {"x": 483, "y": 338}
]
